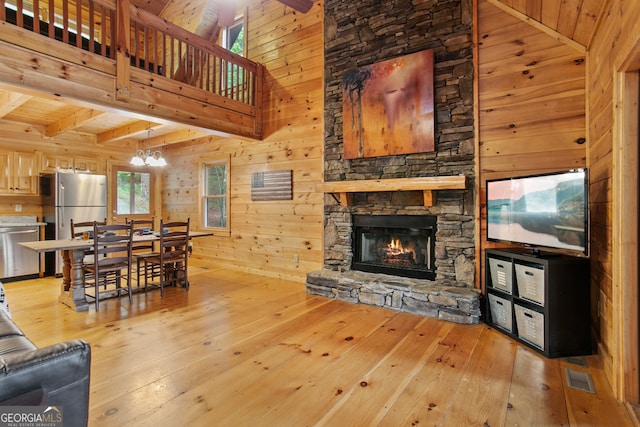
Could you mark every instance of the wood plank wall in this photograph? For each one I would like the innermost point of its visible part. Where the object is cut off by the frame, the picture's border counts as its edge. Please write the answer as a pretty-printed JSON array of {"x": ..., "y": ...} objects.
[
  {"x": 531, "y": 101},
  {"x": 614, "y": 46},
  {"x": 267, "y": 236}
]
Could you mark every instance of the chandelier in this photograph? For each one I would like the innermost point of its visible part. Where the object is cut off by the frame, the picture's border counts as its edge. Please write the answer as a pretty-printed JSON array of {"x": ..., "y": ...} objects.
[{"x": 148, "y": 157}]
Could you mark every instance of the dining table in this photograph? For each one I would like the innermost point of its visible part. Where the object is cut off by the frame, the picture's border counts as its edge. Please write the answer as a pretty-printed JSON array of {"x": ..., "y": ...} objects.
[{"x": 72, "y": 289}]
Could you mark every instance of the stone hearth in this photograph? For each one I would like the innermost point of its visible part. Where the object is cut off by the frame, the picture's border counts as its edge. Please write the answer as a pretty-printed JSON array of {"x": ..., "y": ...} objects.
[{"x": 418, "y": 296}]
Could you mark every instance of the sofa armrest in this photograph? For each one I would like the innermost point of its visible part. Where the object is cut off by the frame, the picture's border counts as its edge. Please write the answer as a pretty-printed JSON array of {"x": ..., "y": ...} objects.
[{"x": 57, "y": 374}]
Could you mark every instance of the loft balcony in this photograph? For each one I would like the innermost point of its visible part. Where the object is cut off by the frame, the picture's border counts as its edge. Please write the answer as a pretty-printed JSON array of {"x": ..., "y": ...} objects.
[{"x": 114, "y": 55}]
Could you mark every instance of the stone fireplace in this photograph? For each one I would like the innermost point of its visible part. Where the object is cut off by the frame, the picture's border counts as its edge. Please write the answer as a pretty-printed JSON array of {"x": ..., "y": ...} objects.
[
  {"x": 362, "y": 262},
  {"x": 398, "y": 245}
]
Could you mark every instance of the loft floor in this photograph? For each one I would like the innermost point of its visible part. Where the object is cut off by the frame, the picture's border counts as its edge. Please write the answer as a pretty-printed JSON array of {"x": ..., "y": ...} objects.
[{"x": 239, "y": 349}]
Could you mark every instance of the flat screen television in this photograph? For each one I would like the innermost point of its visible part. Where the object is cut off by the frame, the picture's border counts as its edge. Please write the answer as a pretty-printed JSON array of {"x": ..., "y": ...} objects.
[{"x": 545, "y": 211}]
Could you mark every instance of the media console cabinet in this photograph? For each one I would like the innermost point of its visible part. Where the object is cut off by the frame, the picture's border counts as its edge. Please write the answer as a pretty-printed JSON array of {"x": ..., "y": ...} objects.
[{"x": 540, "y": 299}]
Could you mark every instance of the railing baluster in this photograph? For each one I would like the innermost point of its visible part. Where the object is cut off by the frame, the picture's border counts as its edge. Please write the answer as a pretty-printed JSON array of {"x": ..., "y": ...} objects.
[
  {"x": 92, "y": 27},
  {"x": 145, "y": 47},
  {"x": 155, "y": 51},
  {"x": 164, "y": 55},
  {"x": 65, "y": 22},
  {"x": 20, "y": 14},
  {"x": 181, "y": 57},
  {"x": 36, "y": 16},
  {"x": 173, "y": 64},
  {"x": 112, "y": 33},
  {"x": 52, "y": 19},
  {"x": 79, "y": 24},
  {"x": 135, "y": 54},
  {"x": 102, "y": 39}
]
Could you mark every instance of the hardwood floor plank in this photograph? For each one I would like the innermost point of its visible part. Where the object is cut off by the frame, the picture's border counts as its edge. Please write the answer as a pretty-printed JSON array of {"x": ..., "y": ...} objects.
[
  {"x": 380, "y": 387},
  {"x": 159, "y": 358},
  {"x": 426, "y": 398},
  {"x": 239, "y": 349},
  {"x": 183, "y": 371},
  {"x": 286, "y": 370},
  {"x": 537, "y": 388},
  {"x": 483, "y": 393},
  {"x": 289, "y": 368}
]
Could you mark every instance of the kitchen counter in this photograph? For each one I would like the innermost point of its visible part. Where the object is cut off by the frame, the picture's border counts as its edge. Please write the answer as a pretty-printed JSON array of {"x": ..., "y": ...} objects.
[{"x": 20, "y": 221}]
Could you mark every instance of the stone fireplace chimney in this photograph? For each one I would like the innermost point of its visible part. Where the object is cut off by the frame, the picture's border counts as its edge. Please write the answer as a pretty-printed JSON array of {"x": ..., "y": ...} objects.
[
  {"x": 446, "y": 28},
  {"x": 361, "y": 33}
]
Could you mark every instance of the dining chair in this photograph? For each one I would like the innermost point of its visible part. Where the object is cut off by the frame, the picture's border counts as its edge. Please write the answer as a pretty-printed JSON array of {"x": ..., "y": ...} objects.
[
  {"x": 142, "y": 250},
  {"x": 112, "y": 246},
  {"x": 78, "y": 230},
  {"x": 172, "y": 256}
]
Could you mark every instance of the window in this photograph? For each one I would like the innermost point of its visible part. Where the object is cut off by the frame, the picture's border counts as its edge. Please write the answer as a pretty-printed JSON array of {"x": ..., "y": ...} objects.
[
  {"x": 233, "y": 39},
  {"x": 233, "y": 36},
  {"x": 215, "y": 194},
  {"x": 134, "y": 192}
]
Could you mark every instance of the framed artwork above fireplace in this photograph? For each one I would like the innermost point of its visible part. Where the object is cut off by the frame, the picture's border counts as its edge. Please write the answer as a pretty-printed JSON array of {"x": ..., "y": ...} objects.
[{"x": 388, "y": 107}]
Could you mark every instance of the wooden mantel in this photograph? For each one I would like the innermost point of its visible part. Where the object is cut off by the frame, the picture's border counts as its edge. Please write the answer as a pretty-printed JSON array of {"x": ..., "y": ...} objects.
[{"x": 425, "y": 184}]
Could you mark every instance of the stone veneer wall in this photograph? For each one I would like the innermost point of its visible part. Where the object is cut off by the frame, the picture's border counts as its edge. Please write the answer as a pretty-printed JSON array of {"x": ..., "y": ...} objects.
[{"x": 365, "y": 32}]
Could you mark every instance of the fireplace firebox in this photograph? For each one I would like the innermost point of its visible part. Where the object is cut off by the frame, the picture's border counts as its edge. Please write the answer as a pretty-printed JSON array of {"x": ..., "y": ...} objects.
[{"x": 393, "y": 244}]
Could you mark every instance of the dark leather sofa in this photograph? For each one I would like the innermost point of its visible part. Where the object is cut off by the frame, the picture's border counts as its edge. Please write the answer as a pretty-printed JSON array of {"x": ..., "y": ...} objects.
[{"x": 57, "y": 375}]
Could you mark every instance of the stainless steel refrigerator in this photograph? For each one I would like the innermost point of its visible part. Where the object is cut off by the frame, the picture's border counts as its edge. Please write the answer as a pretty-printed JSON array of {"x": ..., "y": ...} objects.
[{"x": 66, "y": 196}]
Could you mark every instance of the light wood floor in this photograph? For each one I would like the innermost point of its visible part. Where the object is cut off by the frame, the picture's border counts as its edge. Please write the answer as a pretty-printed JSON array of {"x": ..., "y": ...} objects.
[{"x": 243, "y": 350}]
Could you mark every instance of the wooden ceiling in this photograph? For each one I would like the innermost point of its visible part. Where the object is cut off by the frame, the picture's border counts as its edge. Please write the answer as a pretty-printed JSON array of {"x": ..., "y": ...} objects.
[{"x": 572, "y": 20}]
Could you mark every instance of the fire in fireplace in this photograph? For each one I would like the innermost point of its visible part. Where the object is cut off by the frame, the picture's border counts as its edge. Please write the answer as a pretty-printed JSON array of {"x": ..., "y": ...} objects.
[{"x": 397, "y": 245}]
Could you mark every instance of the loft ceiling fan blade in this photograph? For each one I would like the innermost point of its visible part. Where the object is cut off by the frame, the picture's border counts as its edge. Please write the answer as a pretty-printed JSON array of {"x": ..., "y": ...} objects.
[{"x": 300, "y": 5}]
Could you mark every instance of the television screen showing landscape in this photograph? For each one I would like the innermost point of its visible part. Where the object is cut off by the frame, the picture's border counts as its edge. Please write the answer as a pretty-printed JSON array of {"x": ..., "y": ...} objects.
[{"x": 545, "y": 210}]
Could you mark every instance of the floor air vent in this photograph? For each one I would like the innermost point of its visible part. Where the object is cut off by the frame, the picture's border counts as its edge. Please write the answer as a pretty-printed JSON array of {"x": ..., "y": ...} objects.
[
  {"x": 577, "y": 361},
  {"x": 579, "y": 380}
]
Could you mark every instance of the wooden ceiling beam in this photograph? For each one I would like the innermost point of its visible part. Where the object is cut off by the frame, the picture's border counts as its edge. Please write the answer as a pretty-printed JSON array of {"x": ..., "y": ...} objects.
[
  {"x": 72, "y": 121},
  {"x": 127, "y": 131},
  {"x": 9, "y": 101},
  {"x": 173, "y": 138}
]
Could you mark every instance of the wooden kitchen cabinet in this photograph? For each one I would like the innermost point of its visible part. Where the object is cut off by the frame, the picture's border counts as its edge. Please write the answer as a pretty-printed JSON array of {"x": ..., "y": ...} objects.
[
  {"x": 52, "y": 163},
  {"x": 19, "y": 173},
  {"x": 86, "y": 165}
]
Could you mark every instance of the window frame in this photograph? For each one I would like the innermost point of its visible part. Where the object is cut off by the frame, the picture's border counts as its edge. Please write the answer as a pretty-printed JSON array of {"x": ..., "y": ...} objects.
[
  {"x": 119, "y": 218},
  {"x": 204, "y": 163}
]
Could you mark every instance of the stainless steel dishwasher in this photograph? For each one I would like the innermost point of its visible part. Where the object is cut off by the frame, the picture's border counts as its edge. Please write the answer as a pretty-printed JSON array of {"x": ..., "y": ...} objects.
[{"x": 18, "y": 261}]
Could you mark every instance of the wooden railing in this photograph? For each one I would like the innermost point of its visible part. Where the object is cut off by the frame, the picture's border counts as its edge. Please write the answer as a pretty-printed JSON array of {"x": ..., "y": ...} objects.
[{"x": 136, "y": 38}]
